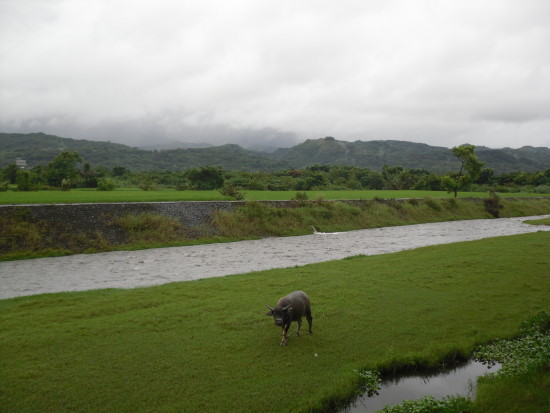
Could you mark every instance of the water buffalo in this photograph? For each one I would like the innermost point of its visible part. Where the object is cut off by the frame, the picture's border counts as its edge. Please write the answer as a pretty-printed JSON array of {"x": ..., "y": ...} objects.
[{"x": 291, "y": 308}]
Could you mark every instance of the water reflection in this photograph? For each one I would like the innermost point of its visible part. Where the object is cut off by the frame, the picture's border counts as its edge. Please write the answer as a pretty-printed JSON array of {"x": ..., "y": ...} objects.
[{"x": 459, "y": 380}]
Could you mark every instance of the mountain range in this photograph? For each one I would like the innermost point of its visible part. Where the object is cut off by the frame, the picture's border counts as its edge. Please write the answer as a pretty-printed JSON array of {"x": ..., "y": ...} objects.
[{"x": 39, "y": 149}]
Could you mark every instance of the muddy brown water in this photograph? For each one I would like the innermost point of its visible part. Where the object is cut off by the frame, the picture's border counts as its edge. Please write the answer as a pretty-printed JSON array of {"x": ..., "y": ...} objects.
[{"x": 130, "y": 269}]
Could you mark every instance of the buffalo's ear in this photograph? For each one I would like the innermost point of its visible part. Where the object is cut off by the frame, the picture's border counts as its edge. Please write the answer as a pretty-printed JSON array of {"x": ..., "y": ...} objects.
[{"x": 269, "y": 313}]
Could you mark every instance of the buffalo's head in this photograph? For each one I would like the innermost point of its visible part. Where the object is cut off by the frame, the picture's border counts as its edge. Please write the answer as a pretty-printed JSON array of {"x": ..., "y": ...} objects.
[{"x": 279, "y": 314}]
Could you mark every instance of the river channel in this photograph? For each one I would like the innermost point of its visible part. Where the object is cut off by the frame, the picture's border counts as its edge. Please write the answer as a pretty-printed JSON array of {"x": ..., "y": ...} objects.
[{"x": 130, "y": 269}]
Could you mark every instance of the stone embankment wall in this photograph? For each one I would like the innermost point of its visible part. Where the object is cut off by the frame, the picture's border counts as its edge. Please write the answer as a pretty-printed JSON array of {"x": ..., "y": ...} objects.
[
  {"x": 98, "y": 217},
  {"x": 89, "y": 218}
]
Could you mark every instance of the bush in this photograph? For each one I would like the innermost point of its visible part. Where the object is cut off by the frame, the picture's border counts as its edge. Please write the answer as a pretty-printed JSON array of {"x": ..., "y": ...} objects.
[
  {"x": 449, "y": 203},
  {"x": 150, "y": 227},
  {"x": 231, "y": 190},
  {"x": 542, "y": 189},
  {"x": 105, "y": 184},
  {"x": 182, "y": 185},
  {"x": 433, "y": 204},
  {"x": 23, "y": 181},
  {"x": 148, "y": 184},
  {"x": 300, "y": 196},
  {"x": 66, "y": 184},
  {"x": 493, "y": 205}
]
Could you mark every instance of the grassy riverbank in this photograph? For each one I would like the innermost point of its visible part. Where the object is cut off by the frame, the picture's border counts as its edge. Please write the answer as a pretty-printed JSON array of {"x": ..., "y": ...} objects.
[
  {"x": 138, "y": 195},
  {"x": 206, "y": 346},
  {"x": 22, "y": 237}
]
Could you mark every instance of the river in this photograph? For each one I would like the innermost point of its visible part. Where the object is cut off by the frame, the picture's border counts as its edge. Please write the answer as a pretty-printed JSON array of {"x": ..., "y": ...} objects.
[{"x": 130, "y": 269}]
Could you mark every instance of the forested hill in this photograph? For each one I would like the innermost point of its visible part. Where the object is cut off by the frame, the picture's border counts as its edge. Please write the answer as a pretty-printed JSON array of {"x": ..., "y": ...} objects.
[
  {"x": 375, "y": 154},
  {"x": 39, "y": 149}
]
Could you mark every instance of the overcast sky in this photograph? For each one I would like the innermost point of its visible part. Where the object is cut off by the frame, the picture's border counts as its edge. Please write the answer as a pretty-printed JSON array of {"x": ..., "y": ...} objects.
[{"x": 442, "y": 72}]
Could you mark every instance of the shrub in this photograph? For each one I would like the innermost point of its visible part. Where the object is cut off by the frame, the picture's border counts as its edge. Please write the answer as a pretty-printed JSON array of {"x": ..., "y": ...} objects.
[
  {"x": 105, "y": 184},
  {"x": 433, "y": 204},
  {"x": 300, "y": 196},
  {"x": 149, "y": 227},
  {"x": 492, "y": 204},
  {"x": 397, "y": 205},
  {"x": 23, "y": 181},
  {"x": 66, "y": 184},
  {"x": 182, "y": 185},
  {"x": 542, "y": 189},
  {"x": 231, "y": 190},
  {"x": 449, "y": 203},
  {"x": 18, "y": 233},
  {"x": 148, "y": 184}
]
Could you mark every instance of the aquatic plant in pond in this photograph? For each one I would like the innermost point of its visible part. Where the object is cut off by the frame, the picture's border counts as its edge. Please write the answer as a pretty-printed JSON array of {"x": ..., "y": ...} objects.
[
  {"x": 430, "y": 404},
  {"x": 369, "y": 382},
  {"x": 527, "y": 355},
  {"x": 441, "y": 384},
  {"x": 531, "y": 350}
]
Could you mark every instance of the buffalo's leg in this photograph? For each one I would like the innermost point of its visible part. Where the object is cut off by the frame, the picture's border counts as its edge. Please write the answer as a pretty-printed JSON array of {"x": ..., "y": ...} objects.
[
  {"x": 309, "y": 319},
  {"x": 285, "y": 334},
  {"x": 299, "y": 326}
]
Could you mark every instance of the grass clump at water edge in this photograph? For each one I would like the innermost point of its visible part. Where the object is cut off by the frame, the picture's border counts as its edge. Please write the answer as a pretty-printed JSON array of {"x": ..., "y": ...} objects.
[
  {"x": 523, "y": 382},
  {"x": 542, "y": 221}
]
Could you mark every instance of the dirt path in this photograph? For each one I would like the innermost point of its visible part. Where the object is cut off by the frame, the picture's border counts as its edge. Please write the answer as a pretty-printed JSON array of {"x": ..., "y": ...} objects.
[{"x": 129, "y": 269}]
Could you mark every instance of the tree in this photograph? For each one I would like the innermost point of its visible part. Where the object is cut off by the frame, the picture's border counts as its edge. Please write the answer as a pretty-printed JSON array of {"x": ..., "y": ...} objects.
[
  {"x": 10, "y": 173},
  {"x": 23, "y": 180},
  {"x": 397, "y": 177},
  {"x": 207, "y": 177},
  {"x": 120, "y": 171},
  {"x": 470, "y": 169},
  {"x": 89, "y": 176},
  {"x": 63, "y": 168}
]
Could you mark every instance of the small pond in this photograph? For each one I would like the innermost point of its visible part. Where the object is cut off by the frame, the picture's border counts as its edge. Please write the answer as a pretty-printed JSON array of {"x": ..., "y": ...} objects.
[{"x": 460, "y": 380}]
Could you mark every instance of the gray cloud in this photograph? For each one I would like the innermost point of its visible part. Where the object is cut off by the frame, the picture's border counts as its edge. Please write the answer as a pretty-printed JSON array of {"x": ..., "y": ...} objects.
[{"x": 435, "y": 71}]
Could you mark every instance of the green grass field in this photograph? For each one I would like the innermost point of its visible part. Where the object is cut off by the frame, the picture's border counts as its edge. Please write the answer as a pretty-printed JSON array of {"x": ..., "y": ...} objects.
[
  {"x": 543, "y": 221},
  {"x": 206, "y": 346},
  {"x": 137, "y": 195}
]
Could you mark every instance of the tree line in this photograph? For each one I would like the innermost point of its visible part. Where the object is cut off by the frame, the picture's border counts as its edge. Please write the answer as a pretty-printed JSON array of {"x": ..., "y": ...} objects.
[{"x": 67, "y": 170}]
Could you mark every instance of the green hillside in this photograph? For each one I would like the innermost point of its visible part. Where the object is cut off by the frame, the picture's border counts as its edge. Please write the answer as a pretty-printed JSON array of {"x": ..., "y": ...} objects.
[
  {"x": 372, "y": 154},
  {"x": 39, "y": 149},
  {"x": 375, "y": 154}
]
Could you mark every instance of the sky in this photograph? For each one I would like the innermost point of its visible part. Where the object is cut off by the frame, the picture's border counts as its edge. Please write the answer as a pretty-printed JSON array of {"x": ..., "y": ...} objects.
[{"x": 274, "y": 73}]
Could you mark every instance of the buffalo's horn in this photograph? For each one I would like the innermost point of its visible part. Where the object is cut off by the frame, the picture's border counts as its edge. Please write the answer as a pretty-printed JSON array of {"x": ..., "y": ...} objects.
[
  {"x": 271, "y": 308},
  {"x": 288, "y": 307}
]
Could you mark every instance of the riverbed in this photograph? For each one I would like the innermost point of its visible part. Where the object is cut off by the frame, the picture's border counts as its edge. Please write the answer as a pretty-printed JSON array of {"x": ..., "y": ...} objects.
[{"x": 130, "y": 269}]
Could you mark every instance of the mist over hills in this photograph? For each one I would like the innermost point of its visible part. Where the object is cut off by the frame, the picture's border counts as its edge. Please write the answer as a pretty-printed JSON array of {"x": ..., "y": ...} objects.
[{"x": 39, "y": 149}]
